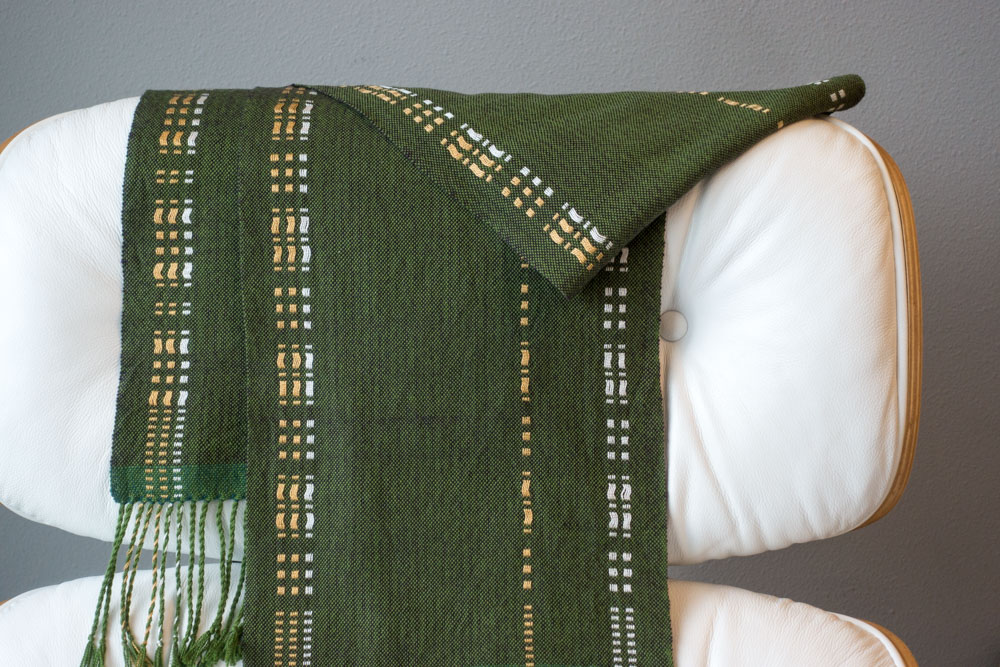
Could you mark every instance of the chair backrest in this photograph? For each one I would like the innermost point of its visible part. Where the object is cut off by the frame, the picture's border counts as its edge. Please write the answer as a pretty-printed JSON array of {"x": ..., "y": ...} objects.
[{"x": 792, "y": 392}]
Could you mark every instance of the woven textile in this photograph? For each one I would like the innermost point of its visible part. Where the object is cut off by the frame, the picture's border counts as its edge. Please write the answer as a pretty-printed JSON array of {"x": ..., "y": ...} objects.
[{"x": 416, "y": 330}]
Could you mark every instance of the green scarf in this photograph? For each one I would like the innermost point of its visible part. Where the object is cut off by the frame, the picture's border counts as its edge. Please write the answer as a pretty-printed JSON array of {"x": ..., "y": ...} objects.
[{"x": 445, "y": 460}]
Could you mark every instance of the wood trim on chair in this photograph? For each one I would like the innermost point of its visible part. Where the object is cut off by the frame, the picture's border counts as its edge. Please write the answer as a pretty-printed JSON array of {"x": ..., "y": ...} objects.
[
  {"x": 11, "y": 138},
  {"x": 904, "y": 651},
  {"x": 914, "y": 335}
]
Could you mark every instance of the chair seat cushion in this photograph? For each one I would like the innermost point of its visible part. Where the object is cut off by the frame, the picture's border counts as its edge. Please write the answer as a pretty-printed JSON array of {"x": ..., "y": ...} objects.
[
  {"x": 713, "y": 626},
  {"x": 786, "y": 395}
]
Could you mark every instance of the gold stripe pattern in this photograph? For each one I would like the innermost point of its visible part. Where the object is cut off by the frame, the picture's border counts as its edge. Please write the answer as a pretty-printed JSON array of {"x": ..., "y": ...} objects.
[
  {"x": 294, "y": 424},
  {"x": 171, "y": 271}
]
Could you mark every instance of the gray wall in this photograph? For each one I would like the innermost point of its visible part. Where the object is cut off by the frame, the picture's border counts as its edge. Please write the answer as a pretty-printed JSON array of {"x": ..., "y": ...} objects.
[{"x": 930, "y": 570}]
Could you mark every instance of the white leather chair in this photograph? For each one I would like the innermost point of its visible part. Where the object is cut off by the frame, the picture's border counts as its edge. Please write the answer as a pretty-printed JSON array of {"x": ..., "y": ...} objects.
[
  {"x": 791, "y": 351},
  {"x": 713, "y": 626}
]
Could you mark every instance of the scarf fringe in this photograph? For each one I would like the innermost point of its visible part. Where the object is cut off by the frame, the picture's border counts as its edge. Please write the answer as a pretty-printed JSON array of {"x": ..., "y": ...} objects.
[{"x": 220, "y": 641}]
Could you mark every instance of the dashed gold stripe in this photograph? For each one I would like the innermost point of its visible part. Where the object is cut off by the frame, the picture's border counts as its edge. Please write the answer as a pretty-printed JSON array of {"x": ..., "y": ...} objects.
[
  {"x": 292, "y": 113},
  {"x": 171, "y": 266},
  {"x": 524, "y": 442},
  {"x": 289, "y": 230}
]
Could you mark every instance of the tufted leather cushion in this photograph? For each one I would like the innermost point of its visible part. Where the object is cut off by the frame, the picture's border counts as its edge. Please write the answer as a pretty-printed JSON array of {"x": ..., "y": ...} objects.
[
  {"x": 787, "y": 395},
  {"x": 713, "y": 626}
]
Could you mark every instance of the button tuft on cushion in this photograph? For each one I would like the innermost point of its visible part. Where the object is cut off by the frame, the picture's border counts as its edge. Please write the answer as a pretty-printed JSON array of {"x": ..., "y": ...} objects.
[{"x": 673, "y": 325}]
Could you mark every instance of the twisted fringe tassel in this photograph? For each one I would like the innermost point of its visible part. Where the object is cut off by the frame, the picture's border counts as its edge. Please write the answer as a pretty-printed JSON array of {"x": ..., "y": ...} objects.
[{"x": 220, "y": 641}]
